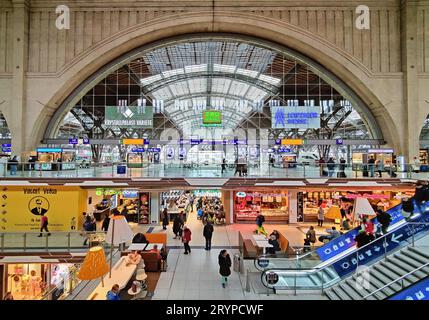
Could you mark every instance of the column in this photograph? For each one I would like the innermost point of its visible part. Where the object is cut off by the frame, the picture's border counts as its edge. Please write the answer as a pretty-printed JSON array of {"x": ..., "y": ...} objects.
[
  {"x": 227, "y": 201},
  {"x": 409, "y": 68},
  {"x": 154, "y": 207},
  {"x": 19, "y": 66},
  {"x": 293, "y": 207}
]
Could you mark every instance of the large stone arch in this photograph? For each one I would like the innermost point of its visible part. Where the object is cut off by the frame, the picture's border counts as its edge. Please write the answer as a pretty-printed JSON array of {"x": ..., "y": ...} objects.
[{"x": 358, "y": 78}]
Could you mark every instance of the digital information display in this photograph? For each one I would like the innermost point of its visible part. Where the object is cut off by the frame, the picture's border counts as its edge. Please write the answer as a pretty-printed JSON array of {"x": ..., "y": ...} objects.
[{"x": 212, "y": 118}]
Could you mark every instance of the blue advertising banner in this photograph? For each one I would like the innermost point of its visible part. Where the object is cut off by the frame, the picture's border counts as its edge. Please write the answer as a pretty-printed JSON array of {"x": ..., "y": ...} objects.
[
  {"x": 419, "y": 291},
  {"x": 347, "y": 240},
  {"x": 376, "y": 248}
]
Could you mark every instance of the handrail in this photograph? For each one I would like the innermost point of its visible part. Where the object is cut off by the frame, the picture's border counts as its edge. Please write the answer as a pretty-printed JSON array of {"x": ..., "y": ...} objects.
[
  {"x": 311, "y": 252},
  {"x": 396, "y": 280},
  {"x": 319, "y": 269}
]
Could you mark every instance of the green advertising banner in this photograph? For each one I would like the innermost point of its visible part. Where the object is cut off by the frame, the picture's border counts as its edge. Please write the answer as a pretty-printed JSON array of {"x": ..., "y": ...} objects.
[{"x": 129, "y": 116}]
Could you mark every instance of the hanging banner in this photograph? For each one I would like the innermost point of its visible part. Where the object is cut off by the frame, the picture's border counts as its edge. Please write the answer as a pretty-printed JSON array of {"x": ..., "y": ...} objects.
[
  {"x": 128, "y": 116},
  {"x": 295, "y": 117}
]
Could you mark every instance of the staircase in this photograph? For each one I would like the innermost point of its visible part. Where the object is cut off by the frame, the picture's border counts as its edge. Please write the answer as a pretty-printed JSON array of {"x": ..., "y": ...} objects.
[{"x": 382, "y": 273}]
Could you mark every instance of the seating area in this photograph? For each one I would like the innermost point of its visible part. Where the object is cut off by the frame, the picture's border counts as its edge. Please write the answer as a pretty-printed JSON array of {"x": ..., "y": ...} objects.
[{"x": 250, "y": 250}]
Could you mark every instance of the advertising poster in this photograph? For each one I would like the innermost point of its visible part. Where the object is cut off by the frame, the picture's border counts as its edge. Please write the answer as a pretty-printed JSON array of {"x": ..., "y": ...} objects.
[
  {"x": 129, "y": 116},
  {"x": 23, "y": 207}
]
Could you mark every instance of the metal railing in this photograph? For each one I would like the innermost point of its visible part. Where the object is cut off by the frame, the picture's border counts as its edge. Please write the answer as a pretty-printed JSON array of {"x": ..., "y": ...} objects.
[
  {"x": 320, "y": 271},
  {"x": 32, "y": 241},
  {"x": 402, "y": 278},
  {"x": 184, "y": 169}
]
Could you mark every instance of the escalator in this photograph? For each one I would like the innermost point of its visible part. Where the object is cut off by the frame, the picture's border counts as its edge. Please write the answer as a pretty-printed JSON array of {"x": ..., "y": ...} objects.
[
  {"x": 340, "y": 258},
  {"x": 325, "y": 253}
]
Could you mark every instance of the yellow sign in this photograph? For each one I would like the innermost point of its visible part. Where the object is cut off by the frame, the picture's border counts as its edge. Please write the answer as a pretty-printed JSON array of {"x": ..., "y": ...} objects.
[
  {"x": 133, "y": 141},
  {"x": 21, "y": 208},
  {"x": 292, "y": 142}
]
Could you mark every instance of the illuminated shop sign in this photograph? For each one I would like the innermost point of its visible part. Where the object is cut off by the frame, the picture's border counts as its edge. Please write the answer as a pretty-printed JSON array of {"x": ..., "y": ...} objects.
[
  {"x": 367, "y": 196},
  {"x": 295, "y": 117},
  {"x": 111, "y": 192},
  {"x": 207, "y": 193},
  {"x": 380, "y": 150},
  {"x": 258, "y": 194},
  {"x": 49, "y": 150}
]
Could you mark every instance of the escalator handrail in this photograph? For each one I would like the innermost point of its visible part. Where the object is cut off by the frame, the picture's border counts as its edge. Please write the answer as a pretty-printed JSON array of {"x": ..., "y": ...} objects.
[
  {"x": 396, "y": 280},
  {"x": 312, "y": 251},
  {"x": 335, "y": 259}
]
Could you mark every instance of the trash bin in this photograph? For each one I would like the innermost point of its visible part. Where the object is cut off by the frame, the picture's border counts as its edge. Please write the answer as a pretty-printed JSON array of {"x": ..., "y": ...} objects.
[
  {"x": 236, "y": 263},
  {"x": 121, "y": 169}
]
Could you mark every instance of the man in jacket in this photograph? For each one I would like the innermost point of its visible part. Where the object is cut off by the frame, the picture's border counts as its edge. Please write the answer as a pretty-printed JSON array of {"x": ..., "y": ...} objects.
[
  {"x": 186, "y": 239},
  {"x": 207, "y": 233}
]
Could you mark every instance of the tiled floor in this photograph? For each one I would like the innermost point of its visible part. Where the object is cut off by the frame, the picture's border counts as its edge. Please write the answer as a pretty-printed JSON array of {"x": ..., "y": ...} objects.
[{"x": 196, "y": 276}]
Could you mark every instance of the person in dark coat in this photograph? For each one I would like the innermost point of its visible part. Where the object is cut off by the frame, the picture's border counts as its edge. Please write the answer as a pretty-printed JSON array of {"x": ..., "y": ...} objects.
[
  {"x": 207, "y": 233},
  {"x": 224, "y": 266},
  {"x": 384, "y": 219},
  {"x": 275, "y": 245},
  {"x": 260, "y": 219},
  {"x": 177, "y": 226},
  {"x": 165, "y": 219},
  {"x": 106, "y": 222},
  {"x": 362, "y": 239},
  {"x": 88, "y": 226}
]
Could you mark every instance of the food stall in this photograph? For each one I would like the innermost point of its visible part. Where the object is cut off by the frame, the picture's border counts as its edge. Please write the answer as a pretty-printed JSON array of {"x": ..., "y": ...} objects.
[
  {"x": 273, "y": 205},
  {"x": 56, "y": 159}
]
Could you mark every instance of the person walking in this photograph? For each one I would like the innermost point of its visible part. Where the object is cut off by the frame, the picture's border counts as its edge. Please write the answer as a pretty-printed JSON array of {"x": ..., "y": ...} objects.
[
  {"x": 371, "y": 166},
  {"x": 186, "y": 239},
  {"x": 223, "y": 166},
  {"x": 106, "y": 222},
  {"x": 208, "y": 233},
  {"x": 320, "y": 216},
  {"x": 88, "y": 226},
  {"x": 224, "y": 266},
  {"x": 384, "y": 219},
  {"x": 165, "y": 219},
  {"x": 311, "y": 235},
  {"x": 342, "y": 168},
  {"x": 331, "y": 167},
  {"x": 322, "y": 165},
  {"x": 13, "y": 163},
  {"x": 380, "y": 168},
  {"x": 44, "y": 225},
  {"x": 177, "y": 226}
]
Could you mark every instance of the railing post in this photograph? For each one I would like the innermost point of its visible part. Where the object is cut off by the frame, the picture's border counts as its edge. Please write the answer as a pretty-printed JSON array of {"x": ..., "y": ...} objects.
[
  {"x": 68, "y": 240},
  {"x": 385, "y": 248},
  {"x": 47, "y": 242},
  {"x": 303, "y": 165},
  {"x": 412, "y": 233},
  {"x": 323, "y": 284},
  {"x": 2, "y": 241},
  {"x": 295, "y": 282}
]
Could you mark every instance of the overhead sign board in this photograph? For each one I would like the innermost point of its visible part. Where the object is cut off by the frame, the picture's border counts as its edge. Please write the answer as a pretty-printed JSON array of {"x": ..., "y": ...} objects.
[
  {"x": 129, "y": 116},
  {"x": 295, "y": 117},
  {"x": 212, "y": 118}
]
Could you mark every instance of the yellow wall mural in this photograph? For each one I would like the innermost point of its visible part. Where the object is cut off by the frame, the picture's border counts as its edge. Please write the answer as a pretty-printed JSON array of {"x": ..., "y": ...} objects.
[{"x": 21, "y": 208}]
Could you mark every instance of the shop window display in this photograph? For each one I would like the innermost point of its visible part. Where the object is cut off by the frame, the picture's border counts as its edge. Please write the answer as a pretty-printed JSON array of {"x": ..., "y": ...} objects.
[
  {"x": 144, "y": 211},
  {"x": 27, "y": 281},
  {"x": 274, "y": 206}
]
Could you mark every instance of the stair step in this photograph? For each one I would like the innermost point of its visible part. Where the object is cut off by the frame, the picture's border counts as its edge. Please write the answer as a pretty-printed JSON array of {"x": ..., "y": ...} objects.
[
  {"x": 414, "y": 255},
  {"x": 381, "y": 280},
  {"x": 408, "y": 260},
  {"x": 374, "y": 285},
  {"x": 351, "y": 290},
  {"x": 332, "y": 295},
  {"x": 406, "y": 268},
  {"x": 399, "y": 272},
  {"x": 419, "y": 252},
  {"x": 341, "y": 293}
]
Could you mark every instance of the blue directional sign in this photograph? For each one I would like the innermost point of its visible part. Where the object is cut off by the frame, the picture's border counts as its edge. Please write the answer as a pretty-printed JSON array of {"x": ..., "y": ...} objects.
[
  {"x": 85, "y": 141},
  {"x": 377, "y": 248},
  {"x": 154, "y": 149},
  {"x": 6, "y": 149},
  {"x": 137, "y": 150},
  {"x": 6, "y": 145},
  {"x": 347, "y": 240},
  {"x": 419, "y": 291},
  {"x": 73, "y": 141}
]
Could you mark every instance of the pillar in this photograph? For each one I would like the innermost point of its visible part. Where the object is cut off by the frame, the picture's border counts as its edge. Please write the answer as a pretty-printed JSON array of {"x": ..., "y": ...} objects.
[
  {"x": 409, "y": 68},
  {"x": 19, "y": 67},
  {"x": 154, "y": 207},
  {"x": 228, "y": 205},
  {"x": 293, "y": 206}
]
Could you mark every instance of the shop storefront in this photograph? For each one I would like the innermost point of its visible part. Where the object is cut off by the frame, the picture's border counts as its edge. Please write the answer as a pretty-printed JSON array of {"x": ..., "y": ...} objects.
[
  {"x": 55, "y": 159},
  {"x": 273, "y": 205},
  {"x": 312, "y": 200},
  {"x": 360, "y": 158},
  {"x": 33, "y": 281}
]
